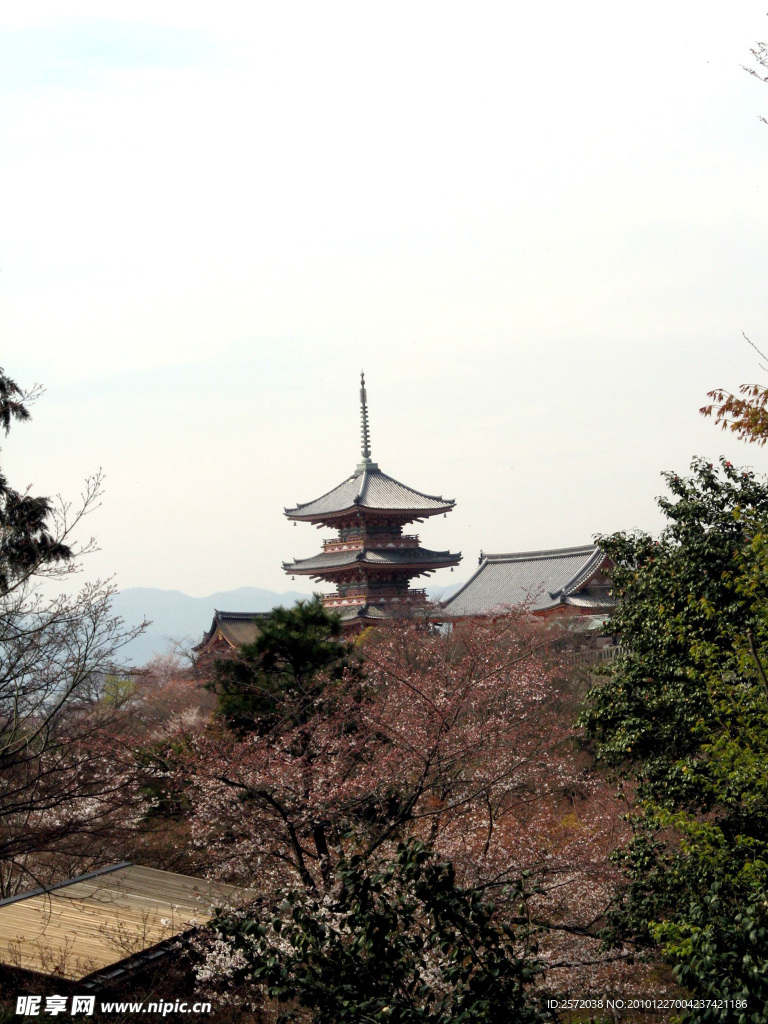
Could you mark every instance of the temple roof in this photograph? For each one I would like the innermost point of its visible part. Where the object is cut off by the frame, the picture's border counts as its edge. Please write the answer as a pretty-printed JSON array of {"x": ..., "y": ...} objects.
[
  {"x": 369, "y": 488},
  {"x": 236, "y": 628},
  {"x": 538, "y": 579},
  {"x": 400, "y": 557}
]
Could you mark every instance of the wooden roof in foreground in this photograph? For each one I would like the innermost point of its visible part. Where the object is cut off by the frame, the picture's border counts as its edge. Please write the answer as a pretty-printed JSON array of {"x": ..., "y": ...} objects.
[{"x": 94, "y": 922}]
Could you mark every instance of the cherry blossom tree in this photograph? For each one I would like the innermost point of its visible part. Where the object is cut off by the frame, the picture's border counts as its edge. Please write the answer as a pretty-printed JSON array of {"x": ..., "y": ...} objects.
[
  {"x": 405, "y": 944},
  {"x": 67, "y": 776},
  {"x": 462, "y": 742},
  {"x": 444, "y": 736}
]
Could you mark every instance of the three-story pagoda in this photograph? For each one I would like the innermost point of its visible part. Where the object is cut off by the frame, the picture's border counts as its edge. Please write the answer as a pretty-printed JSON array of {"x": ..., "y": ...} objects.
[{"x": 372, "y": 561}]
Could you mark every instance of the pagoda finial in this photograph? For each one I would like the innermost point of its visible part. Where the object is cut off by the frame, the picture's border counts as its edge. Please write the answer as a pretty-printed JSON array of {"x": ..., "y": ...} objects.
[{"x": 366, "y": 434}]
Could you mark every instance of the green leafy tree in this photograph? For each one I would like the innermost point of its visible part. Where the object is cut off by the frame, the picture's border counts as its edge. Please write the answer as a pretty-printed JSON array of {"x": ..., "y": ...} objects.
[
  {"x": 297, "y": 650},
  {"x": 28, "y": 540},
  {"x": 402, "y": 945},
  {"x": 682, "y": 607},
  {"x": 683, "y": 717}
]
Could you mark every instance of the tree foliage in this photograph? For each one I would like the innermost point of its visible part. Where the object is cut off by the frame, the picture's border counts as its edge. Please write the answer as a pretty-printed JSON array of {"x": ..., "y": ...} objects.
[
  {"x": 401, "y": 945},
  {"x": 450, "y": 734},
  {"x": 67, "y": 781},
  {"x": 26, "y": 539},
  {"x": 461, "y": 742},
  {"x": 681, "y": 608},
  {"x": 760, "y": 57},
  {"x": 683, "y": 716},
  {"x": 296, "y": 652},
  {"x": 745, "y": 416}
]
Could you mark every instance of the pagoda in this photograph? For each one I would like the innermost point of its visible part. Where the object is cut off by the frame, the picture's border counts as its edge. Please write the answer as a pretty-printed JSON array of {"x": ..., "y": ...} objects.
[{"x": 372, "y": 561}]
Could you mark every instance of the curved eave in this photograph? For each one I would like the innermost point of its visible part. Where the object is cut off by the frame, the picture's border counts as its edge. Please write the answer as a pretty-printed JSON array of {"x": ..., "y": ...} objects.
[
  {"x": 374, "y": 491},
  {"x": 534, "y": 580},
  {"x": 408, "y": 515},
  {"x": 313, "y": 567},
  {"x": 327, "y": 572},
  {"x": 373, "y": 613},
  {"x": 597, "y": 562}
]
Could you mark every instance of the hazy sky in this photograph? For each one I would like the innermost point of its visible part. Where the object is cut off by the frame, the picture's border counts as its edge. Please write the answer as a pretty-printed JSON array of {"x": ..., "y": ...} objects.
[{"x": 539, "y": 228}]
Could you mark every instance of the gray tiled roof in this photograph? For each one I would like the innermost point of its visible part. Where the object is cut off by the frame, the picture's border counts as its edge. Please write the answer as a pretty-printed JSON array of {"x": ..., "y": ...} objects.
[
  {"x": 237, "y": 628},
  {"x": 368, "y": 487},
  {"x": 538, "y": 579},
  {"x": 362, "y": 611},
  {"x": 373, "y": 556},
  {"x": 372, "y": 611}
]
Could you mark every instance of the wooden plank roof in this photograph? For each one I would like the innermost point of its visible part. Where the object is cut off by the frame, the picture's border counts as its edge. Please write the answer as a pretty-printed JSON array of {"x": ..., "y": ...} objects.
[{"x": 91, "y": 923}]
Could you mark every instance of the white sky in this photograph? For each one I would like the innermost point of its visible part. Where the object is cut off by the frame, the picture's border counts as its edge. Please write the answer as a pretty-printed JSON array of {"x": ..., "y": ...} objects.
[{"x": 539, "y": 228}]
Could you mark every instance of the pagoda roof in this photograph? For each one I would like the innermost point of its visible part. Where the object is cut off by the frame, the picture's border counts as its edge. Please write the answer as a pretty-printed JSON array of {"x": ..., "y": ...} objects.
[
  {"x": 362, "y": 612},
  {"x": 540, "y": 580},
  {"x": 420, "y": 558},
  {"x": 370, "y": 488}
]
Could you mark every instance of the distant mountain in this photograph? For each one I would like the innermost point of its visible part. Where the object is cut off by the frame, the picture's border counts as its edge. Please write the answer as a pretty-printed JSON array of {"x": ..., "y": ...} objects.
[
  {"x": 176, "y": 616},
  {"x": 442, "y": 593}
]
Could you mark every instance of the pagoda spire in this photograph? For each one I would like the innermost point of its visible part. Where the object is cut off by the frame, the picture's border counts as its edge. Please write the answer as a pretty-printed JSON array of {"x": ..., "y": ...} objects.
[
  {"x": 364, "y": 428},
  {"x": 371, "y": 562}
]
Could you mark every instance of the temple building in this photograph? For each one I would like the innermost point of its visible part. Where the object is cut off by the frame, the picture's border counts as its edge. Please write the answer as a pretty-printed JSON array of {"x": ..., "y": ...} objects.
[
  {"x": 371, "y": 561},
  {"x": 228, "y": 632},
  {"x": 572, "y": 582}
]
